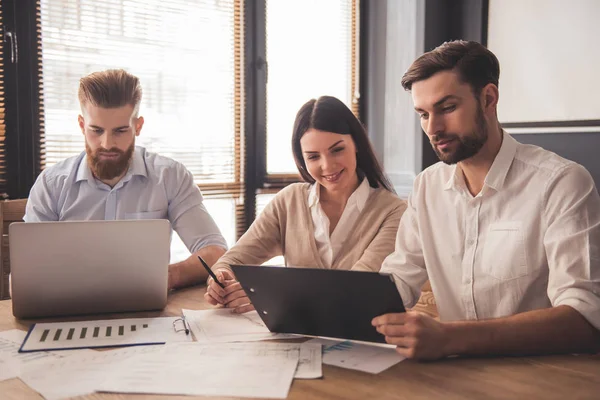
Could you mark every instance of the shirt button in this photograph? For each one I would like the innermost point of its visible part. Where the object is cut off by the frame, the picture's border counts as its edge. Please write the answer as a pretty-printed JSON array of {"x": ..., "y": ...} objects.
[{"x": 470, "y": 242}]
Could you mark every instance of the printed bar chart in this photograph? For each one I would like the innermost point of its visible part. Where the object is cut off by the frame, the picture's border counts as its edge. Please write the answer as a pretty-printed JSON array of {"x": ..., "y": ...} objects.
[
  {"x": 104, "y": 333},
  {"x": 83, "y": 332}
]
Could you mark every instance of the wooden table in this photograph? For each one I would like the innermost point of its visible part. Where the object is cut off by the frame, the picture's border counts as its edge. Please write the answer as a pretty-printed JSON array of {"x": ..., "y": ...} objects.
[{"x": 549, "y": 377}]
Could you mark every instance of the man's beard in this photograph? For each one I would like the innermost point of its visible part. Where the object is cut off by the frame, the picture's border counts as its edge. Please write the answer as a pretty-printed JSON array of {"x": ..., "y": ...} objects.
[
  {"x": 467, "y": 146},
  {"x": 109, "y": 169}
]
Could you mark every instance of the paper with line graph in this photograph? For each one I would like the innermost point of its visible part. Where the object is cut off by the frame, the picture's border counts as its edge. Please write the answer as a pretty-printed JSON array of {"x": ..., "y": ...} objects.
[
  {"x": 371, "y": 358},
  {"x": 104, "y": 333}
]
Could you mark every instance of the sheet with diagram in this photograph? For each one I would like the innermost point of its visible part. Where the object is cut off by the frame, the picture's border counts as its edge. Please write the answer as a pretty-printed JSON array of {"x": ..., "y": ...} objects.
[
  {"x": 105, "y": 333},
  {"x": 371, "y": 358}
]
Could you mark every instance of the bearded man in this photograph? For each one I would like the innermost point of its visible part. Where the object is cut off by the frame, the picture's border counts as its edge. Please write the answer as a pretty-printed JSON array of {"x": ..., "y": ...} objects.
[
  {"x": 507, "y": 234},
  {"x": 115, "y": 179}
]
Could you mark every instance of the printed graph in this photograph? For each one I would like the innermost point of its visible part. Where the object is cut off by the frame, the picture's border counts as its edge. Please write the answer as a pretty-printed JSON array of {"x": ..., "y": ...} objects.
[
  {"x": 104, "y": 333},
  {"x": 56, "y": 334},
  {"x": 342, "y": 346}
]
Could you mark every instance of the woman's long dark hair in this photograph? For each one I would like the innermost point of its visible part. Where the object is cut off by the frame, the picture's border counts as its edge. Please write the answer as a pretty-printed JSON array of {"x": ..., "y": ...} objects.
[{"x": 331, "y": 115}]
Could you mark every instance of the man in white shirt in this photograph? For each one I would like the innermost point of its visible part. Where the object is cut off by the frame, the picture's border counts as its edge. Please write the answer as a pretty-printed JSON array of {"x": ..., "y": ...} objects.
[
  {"x": 508, "y": 234},
  {"x": 114, "y": 179}
]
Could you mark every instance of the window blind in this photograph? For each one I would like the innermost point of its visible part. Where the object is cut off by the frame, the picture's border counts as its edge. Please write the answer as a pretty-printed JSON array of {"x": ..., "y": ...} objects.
[{"x": 182, "y": 51}]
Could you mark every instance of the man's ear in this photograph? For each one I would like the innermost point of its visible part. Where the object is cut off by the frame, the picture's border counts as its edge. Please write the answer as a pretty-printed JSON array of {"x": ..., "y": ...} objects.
[
  {"x": 81, "y": 123},
  {"x": 138, "y": 125},
  {"x": 490, "y": 96}
]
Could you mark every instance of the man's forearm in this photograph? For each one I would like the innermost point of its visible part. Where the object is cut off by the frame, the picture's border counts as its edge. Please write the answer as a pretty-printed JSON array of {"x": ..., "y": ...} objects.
[
  {"x": 554, "y": 330},
  {"x": 190, "y": 271}
]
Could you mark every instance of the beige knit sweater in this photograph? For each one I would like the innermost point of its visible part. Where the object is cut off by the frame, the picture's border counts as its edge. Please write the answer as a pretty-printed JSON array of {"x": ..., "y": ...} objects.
[{"x": 285, "y": 228}]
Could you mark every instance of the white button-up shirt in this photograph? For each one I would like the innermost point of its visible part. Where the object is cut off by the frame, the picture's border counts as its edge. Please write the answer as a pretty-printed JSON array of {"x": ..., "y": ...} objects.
[
  {"x": 529, "y": 240},
  {"x": 329, "y": 246},
  {"x": 154, "y": 187}
]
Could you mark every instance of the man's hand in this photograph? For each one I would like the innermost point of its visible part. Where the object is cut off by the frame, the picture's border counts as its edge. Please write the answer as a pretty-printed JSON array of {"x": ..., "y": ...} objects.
[
  {"x": 415, "y": 334},
  {"x": 232, "y": 296}
]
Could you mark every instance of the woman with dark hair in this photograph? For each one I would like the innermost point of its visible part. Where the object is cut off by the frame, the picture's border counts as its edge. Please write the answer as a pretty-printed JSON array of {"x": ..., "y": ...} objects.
[{"x": 344, "y": 217}]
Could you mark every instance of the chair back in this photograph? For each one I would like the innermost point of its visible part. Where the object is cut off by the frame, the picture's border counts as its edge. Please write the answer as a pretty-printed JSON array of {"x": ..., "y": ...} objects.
[{"x": 10, "y": 211}]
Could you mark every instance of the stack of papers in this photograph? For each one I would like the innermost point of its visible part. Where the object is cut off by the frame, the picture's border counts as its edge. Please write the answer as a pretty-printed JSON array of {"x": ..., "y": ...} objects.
[
  {"x": 228, "y": 358},
  {"x": 244, "y": 370}
]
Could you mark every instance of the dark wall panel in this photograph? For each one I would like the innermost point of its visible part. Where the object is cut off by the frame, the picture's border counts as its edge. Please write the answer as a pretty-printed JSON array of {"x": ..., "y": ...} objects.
[{"x": 582, "y": 148}]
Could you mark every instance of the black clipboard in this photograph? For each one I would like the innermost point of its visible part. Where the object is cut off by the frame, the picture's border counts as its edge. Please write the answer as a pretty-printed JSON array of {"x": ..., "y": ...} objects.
[{"x": 320, "y": 302}]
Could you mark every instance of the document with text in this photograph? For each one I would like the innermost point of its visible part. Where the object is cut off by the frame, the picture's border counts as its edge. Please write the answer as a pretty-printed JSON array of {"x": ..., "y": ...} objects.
[
  {"x": 310, "y": 365},
  {"x": 79, "y": 374},
  {"x": 12, "y": 363},
  {"x": 224, "y": 326},
  {"x": 207, "y": 370}
]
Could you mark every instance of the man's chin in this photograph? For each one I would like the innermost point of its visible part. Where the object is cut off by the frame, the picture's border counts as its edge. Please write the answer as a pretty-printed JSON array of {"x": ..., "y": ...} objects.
[
  {"x": 108, "y": 170},
  {"x": 446, "y": 157}
]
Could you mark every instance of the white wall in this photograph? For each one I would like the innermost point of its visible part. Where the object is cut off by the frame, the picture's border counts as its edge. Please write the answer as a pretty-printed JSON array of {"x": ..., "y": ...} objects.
[{"x": 549, "y": 59}]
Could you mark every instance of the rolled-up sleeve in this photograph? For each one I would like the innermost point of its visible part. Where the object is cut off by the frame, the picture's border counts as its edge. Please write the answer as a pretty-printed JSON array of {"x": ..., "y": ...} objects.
[
  {"x": 406, "y": 263},
  {"x": 572, "y": 242},
  {"x": 187, "y": 213}
]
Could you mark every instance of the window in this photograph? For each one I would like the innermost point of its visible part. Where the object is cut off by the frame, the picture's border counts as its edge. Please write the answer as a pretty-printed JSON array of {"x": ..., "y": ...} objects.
[
  {"x": 311, "y": 51},
  {"x": 203, "y": 67},
  {"x": 187, "y": 55}
]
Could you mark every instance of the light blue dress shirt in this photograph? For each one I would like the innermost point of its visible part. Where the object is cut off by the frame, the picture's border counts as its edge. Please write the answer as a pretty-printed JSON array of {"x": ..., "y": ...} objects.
[{"x": 155, "y": 187}]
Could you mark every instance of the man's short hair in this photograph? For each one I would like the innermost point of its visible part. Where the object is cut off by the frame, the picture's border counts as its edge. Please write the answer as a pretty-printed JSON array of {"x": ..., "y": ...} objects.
[
  {"x": 112, "y": 88},
  {"x": 472, "y": 61}
]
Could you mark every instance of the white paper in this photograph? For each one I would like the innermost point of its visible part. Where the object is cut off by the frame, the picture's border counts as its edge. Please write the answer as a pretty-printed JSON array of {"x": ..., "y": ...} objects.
[
  {"x": 12, "y": 363},
  {"x": 13, "y": 335},
  {"x": 310, "y": 364},
  {"x": 105, "y": 333},
  {"x": 207, "y": 370},
  {"x": 358, "y": 356},
  {"x": 221, "y": 325},
  {"x": 79, "y": 374}
]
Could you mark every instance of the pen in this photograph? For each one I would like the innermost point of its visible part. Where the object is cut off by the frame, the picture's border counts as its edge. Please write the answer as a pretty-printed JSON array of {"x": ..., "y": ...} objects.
[
  {"x": 185, "y": 325},
  {"x": 212, "y": 274}
]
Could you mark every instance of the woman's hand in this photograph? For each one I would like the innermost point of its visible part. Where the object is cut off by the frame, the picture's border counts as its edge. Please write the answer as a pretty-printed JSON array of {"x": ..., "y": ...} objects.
[{"x": 232, "y": 296}]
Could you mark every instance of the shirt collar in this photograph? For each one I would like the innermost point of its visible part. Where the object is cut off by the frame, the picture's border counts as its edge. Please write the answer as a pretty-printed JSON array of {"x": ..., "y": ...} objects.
[
  {"x": 455, "y": 178},
  {"x": 497, "y": 174},
  {"x": 358, "y": 197},
  {"x": 137, "y": 167}
]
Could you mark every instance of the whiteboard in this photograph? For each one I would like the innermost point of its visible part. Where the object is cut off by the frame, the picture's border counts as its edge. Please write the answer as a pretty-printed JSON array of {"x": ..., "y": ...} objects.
[{"x": 549, "y": 53}]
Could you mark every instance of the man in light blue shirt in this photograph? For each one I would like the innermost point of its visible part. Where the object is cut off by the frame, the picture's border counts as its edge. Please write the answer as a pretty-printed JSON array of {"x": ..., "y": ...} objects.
[{"x": 114, "y": 179}]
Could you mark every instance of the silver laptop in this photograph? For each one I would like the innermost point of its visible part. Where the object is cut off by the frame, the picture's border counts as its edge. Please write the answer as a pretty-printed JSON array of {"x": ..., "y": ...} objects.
[{"x": 87, "y": 267}]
